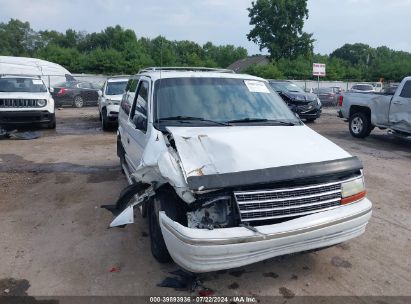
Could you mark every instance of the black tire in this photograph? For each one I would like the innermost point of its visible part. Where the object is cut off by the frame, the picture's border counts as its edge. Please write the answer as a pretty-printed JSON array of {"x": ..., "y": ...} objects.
[
  {"x": 310, "y": 120},
  {"x": 360, "y": 125},
  {"x": 78, "y": 101},
  {"x": 158, "y": 246},
  {"x": 105, "y": 124},
  {"x": 52, "y": 123}
]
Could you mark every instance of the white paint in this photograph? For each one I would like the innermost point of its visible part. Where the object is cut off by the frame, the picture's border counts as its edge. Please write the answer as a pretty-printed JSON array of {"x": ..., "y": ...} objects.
[
  {"x": 209, "y": 257},
  {"x": 217, "y": 150}
]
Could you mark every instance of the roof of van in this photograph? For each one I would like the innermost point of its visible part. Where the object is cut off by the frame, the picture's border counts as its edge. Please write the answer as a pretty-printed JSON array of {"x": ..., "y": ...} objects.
[{"x": 155, "y": 75}]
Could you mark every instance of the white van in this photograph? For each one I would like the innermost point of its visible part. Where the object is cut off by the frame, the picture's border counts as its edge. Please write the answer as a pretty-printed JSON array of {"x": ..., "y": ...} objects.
[{"x": 227, "y": 175}]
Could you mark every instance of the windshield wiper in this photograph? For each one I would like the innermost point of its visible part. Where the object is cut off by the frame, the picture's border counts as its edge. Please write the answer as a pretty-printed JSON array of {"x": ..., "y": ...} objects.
[
  {"x": 251, "y": 120},
  {"x": 190, "y": 118}
]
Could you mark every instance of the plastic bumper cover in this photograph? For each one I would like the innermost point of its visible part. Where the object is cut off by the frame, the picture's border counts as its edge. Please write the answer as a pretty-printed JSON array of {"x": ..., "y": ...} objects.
[
  {"x": 25, "y": 117},
  {"x": 200, "y": 250}
]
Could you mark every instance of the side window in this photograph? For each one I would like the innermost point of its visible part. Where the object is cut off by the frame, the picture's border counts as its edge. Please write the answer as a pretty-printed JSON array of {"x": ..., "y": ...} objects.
[
  {"x": 406, "y": 91},
  {"x": 139, "y": 110}
]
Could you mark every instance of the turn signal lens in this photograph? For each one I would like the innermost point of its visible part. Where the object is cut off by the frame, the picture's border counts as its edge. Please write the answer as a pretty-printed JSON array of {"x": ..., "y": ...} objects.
[
  {"x": 353, "y": 191},
  {"x": 354, "y": 198}
]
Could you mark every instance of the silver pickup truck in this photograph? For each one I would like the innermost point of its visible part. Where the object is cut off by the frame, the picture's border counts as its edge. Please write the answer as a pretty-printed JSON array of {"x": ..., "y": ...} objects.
[{"x": 365, "y": 111}]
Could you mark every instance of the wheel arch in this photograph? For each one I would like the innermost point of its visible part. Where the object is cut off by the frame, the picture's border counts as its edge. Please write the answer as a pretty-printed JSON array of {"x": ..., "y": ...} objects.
[{"x": 355, "y": 109}]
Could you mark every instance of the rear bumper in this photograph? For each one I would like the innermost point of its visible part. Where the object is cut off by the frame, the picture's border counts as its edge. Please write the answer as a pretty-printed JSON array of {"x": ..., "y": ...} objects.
[
  {"x": 200, "y": 250},
  {"x": 25, "y": 117}
]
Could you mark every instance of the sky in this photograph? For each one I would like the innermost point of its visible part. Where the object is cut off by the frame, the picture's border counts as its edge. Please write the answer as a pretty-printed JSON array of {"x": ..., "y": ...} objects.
[{"x": 333, "y": 22}]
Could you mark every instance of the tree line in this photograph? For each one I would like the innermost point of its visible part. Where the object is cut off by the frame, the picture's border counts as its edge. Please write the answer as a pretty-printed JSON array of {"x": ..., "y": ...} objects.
[
  {"x": 118, "y": 51},
  {"x": 112, "y": 51}
]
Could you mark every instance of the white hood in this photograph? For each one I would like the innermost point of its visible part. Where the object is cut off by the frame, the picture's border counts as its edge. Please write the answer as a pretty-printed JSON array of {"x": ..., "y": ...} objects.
[
  {"x": 218, "y": 150},
  {"x": 24, "y": 95}
]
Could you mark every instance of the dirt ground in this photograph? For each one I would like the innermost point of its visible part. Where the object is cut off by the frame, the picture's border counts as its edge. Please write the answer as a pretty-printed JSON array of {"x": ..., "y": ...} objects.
[{"x": 54, "y": 239}]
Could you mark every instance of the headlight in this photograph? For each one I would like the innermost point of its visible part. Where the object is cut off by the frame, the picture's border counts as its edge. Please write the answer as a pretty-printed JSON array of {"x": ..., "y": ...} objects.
[
  {"x": 41, "y": 103},
  {"x": 353, "y": 191},
  {"x": 319, "y": 101}
]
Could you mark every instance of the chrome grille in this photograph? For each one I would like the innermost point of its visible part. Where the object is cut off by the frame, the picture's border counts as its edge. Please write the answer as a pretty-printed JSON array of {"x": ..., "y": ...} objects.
[
  {"x": 18, "y": 103},
  {"x": 289, "y": 202}
]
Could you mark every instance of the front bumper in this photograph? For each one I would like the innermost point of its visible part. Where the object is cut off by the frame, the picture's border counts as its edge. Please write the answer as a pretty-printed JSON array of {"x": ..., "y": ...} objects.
[
  {"x": 199, "y": 250},
  {"x": 313, "y": 114},
  {"x": 25, "y": 117}
]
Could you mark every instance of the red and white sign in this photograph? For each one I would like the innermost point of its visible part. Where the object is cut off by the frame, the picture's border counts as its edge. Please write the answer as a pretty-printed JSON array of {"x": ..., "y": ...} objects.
[{"x": 319, "y": 69}]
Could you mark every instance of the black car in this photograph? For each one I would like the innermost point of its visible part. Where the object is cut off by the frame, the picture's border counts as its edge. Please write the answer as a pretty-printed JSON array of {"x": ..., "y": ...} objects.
[
  {"x": 306, "y": 105},
  {"x": 76, "y": 93}
]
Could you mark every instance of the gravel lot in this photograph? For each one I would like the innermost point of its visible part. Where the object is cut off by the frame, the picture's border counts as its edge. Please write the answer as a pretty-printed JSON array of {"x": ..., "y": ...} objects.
[{"x": 54, "y": 239}]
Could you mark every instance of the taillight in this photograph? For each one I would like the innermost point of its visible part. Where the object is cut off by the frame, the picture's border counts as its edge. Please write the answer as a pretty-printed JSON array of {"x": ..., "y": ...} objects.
[
  {"x": 340, "y": 102},
  {"x": 62, "y": 91}
]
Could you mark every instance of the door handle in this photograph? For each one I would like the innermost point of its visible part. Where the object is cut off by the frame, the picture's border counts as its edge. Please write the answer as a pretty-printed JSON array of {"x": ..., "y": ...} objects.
[
  {"x": 398, "y": 102},
  {"x": 128, "y": 140}
]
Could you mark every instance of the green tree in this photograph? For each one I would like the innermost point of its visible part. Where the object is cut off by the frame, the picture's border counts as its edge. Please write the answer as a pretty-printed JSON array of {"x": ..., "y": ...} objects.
[{"x": 278, "y": 27}]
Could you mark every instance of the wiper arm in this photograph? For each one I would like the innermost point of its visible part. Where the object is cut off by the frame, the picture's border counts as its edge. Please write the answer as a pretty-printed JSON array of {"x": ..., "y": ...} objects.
[
  {"x": 251, "y": 120},
  {"x": 190, "y": 118}
]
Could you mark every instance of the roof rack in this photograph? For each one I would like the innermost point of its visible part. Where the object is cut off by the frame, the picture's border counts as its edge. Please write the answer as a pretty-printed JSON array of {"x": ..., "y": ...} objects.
[
  {"x": 118, "y": 76},
  {"x": 186, "y": 69}
]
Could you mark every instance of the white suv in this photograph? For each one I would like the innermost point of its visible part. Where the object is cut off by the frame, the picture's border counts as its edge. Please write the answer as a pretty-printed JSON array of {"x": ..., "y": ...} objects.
[
  {"x": 228, "y": 175},
  {"x": 109, "y": 100},
  {"x": 25, "y": 100}
]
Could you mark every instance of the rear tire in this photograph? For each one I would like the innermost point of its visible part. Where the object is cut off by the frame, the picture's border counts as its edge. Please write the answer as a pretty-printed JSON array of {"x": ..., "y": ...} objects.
[{"x": 360, "y": 125}]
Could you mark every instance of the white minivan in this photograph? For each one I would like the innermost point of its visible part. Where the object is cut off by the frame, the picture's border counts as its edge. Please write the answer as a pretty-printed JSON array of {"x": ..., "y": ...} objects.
[{"x": 227, "y": 175}]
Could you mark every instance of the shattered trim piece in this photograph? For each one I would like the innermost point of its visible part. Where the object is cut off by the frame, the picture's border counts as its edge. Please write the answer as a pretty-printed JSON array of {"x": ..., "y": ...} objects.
[{"x": 272, "y": 175}]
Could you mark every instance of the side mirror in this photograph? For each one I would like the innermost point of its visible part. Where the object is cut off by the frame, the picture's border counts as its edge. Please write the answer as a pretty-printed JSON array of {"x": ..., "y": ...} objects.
[
  {"x": 100, "y": 93},
  {"x": 140, "y": 122},
  {"x": 51, "y": 90}
]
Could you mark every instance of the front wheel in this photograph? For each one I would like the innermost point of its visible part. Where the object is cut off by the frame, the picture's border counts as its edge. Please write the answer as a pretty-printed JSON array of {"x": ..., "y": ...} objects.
[
  {"x": 360, "y": 125},
  {"x": 105, "y": 124},
  {"x": 158, "y": 246},
  {"x": 78, "y": 102},
  {"x": 52, "y": 123}
]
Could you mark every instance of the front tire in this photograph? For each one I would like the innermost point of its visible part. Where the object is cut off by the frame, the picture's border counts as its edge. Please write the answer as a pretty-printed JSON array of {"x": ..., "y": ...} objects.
[
  {"x": 78, "y": 101},
  {"x": 158, "y": 246},
  {"x": 360, "y": 125},
  {"x": 105, "y": 124},
  {"x": 52, "y": 123}
]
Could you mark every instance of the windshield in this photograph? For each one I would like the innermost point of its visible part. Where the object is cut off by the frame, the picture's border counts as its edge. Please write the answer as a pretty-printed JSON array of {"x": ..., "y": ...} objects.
[
  {"x": 22, "y": 85},
  {"x": 116, "y": 88},
  {"x": 219, "y": 101}
]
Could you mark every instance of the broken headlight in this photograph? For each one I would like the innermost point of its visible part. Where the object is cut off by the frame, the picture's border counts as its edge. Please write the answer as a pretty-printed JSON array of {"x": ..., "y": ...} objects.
[{"x": 215, "y": 213}]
